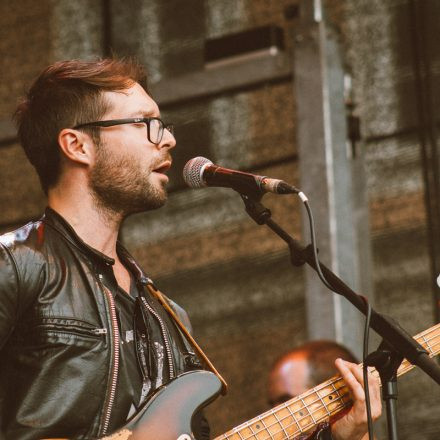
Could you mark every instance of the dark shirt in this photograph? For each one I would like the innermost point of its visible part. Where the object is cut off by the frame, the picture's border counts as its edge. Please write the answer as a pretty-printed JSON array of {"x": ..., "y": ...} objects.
[
  {"x": 129, "y": 377},
  {"x": 132, "y": 389}
]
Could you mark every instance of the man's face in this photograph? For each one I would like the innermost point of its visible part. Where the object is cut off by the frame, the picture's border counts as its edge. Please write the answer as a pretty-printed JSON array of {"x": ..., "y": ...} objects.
[
  {"x": 289, "y": 378},
  {"x": 128, "y": 173}
]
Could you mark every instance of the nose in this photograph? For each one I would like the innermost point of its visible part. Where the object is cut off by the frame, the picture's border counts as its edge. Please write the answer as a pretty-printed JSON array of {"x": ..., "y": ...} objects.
[{"x": 168, "y": 140}]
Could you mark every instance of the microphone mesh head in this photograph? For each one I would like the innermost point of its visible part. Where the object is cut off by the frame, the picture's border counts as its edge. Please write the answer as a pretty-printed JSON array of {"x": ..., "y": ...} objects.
[{"x": 193, "y": 171}]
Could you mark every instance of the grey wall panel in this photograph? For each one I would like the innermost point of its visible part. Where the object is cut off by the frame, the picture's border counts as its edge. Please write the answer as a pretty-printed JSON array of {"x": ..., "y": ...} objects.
[
  {"x": 21, "y": 197},
  {"x": 82, "y": 37},
  {"x": 393, "y": 166},
  {"x": 379, "y": 51},
  {"x": 148, "y": 30},
  {"x": 402, "y": 287},
  {"x": 23, "y": 53}
]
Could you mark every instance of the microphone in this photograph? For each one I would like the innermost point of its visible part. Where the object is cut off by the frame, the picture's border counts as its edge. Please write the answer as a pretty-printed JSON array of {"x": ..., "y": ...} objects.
[{"x": 199, "y": 172}]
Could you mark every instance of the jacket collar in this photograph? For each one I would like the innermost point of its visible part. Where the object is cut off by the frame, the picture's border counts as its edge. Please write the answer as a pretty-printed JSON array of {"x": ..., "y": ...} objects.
[{"x": 55, "y": 220}]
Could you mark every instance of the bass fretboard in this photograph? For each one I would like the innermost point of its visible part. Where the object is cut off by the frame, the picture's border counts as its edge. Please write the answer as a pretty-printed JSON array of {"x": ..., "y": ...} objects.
[{"x": 301, "y": 414}]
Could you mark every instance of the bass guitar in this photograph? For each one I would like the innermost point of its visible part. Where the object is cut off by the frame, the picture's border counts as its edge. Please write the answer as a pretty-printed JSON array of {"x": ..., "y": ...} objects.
[{"x": 167, "y": 416}]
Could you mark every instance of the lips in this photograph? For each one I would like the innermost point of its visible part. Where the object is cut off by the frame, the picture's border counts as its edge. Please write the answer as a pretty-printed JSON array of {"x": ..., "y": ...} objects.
[{"x": 163, "y": 167}]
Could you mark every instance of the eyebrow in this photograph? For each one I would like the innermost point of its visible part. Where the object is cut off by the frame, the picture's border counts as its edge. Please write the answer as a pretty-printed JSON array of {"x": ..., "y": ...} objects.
[{"x": 144, "y": 114}]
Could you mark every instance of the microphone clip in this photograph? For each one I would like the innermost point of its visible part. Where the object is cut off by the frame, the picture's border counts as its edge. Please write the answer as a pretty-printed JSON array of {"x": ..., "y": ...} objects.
[
  {"x": 256, "y": 210},
  {"x": 262, "y": 216}
]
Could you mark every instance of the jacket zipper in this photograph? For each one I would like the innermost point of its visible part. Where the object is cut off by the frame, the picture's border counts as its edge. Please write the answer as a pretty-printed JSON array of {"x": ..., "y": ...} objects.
[
  {"x": 73, "y": 330},
  {"x": 114, "y": 374},
  {"x": 164, "y": 336}
]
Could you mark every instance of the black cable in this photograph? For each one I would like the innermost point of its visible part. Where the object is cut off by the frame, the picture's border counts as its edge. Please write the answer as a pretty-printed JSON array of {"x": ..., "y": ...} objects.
[
  {"x": 313, "y": 240},
  {"x": 367, "y": 319},
  {"x": 365, "y": 373}
]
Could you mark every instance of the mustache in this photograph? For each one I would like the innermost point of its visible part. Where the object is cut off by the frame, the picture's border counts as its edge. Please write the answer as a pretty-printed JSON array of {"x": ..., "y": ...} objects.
[{"x": 164, "y": 157}]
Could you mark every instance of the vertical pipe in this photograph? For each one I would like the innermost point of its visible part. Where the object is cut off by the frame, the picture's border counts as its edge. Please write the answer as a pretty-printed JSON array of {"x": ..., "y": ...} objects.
[{"x": 427, "y": 138}]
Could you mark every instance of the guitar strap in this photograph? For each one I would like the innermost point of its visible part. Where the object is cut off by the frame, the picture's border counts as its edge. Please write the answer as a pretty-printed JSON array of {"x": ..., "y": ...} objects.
[{"x": 159, "y": 295}]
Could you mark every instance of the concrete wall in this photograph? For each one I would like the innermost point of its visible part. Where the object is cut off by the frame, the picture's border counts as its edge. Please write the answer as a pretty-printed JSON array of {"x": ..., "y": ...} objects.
[
  {"x": 379, "y": 53},
  {"x": 233, "y": 277}
]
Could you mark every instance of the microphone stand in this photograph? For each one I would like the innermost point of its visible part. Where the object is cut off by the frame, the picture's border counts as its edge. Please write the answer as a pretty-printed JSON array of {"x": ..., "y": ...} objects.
[{"x": 396, "y": 342}]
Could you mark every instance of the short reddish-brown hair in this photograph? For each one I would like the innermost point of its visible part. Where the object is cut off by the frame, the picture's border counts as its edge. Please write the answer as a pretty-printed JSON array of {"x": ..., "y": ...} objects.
[{"x": 66, "y": 94}]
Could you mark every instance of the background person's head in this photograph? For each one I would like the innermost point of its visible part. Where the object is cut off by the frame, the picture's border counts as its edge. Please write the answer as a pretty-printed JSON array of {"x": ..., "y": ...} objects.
[{"x": 303, "y": 368}]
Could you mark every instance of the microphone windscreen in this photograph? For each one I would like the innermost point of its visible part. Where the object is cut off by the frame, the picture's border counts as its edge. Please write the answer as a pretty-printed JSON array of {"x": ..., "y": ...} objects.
[{"x": 193, "y": 171}]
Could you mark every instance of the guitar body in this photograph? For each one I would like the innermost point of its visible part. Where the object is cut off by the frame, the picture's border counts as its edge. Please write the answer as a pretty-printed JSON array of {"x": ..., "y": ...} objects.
[{"x": 167, "y": 415}]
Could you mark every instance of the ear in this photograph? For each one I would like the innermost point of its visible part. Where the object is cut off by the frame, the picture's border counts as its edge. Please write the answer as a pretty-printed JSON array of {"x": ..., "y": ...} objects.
[{"x": 76, "y": 146}]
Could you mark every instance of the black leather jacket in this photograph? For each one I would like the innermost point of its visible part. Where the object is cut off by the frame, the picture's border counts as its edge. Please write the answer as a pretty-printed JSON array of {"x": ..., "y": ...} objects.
[
  {"x": 57, "y": 334},
  {"x": 58, "y": 355}
]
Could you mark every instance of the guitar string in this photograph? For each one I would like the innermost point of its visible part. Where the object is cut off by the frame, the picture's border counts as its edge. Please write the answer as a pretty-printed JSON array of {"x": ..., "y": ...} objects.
[
  {"x": 278, "y": 422},
  {"x": 338, "y": 381},
  {"x": 425, "y": 343},
  {"x": 330, "y": 382},
  {"x": 297, "y": 423},
  {"x": 305, "y": 427},
  {"x": 291, "y": 415},
  {"x": 248, "y": 424},
  {"x": 429, "y": 330},
  {"x": 334, "y": 391},
  {"x": 406, "y": 365},
  {"x": 302, "y": 429},
  {"x": 410, "y": 366},
  {"x": 298, "y": 428},
  {"x": 421, "y": 340},
  {"x": 334, "y": 380}
]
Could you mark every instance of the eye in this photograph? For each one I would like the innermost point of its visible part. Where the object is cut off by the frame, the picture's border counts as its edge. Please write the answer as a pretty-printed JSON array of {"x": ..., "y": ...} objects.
[{"x": 140, "y": 124}]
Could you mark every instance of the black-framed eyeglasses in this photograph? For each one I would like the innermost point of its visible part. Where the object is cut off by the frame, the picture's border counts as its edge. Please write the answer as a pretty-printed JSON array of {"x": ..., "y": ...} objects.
[{"x": 155, "y": 126}]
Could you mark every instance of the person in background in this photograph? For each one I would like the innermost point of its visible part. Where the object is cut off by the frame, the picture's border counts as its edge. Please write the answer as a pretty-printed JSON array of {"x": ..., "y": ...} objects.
[{"x": 305, "y": 367}]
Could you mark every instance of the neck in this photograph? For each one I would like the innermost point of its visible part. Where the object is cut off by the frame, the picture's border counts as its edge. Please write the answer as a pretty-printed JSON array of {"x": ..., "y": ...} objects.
[{"x": 95, "y": 225}]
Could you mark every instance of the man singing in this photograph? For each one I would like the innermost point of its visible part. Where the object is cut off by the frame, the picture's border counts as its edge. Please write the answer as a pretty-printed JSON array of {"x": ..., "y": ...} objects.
[{"x": 83, "y": 343}]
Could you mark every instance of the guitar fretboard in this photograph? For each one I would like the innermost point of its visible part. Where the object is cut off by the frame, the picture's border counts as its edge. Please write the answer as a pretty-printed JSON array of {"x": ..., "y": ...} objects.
[{"x": 301, "y": 414}]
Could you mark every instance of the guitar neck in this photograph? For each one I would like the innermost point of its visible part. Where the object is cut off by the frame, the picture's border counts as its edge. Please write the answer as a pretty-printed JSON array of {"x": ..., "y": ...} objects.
[{"x": 301, "y": 414}]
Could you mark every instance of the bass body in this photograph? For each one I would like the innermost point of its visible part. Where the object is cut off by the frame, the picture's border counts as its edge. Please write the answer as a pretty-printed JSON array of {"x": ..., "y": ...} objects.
[{"x": 167, "y": 415}]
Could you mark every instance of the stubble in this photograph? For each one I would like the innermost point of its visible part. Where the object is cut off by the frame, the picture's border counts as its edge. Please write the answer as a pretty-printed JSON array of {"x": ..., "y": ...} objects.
[{"x": 121, "y": 186}]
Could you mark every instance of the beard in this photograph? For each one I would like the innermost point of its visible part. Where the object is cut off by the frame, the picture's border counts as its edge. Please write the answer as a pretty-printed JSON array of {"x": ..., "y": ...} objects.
[{"x": 120, "y": 184}]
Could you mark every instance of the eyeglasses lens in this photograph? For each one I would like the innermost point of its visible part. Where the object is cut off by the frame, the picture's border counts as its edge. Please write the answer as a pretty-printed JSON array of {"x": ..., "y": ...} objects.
[{"x": 155, "y": 131}]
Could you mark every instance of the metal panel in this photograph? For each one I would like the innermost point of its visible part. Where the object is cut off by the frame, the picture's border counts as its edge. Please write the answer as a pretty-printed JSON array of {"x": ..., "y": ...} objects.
[
  {"x": 241, "y": 74},
  {"x": 326, "y": 177}
]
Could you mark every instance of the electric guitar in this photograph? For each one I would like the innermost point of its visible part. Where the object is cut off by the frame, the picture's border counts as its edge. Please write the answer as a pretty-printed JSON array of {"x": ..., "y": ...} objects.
[{"x": 167, "y": 416}]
